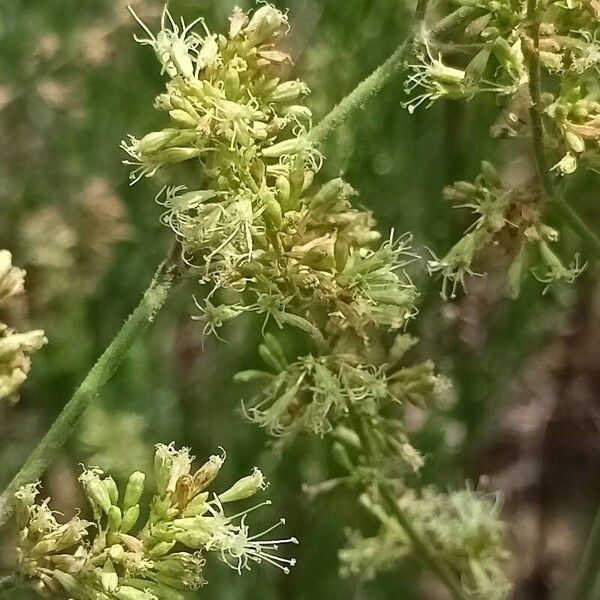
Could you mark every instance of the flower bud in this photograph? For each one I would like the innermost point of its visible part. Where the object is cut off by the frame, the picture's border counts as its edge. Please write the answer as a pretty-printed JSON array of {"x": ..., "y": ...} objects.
[
  {"x": 183, "y": 118},
  {"x": 515, "y": 273},
  {"x": 109, "y": 577},
  {"x": 154, "y": 141},
  {"x": 288, "y": 92},
  {"x": 330, "y": 193},
  {"x": 114, "y": 518},
  {"x": 133, "y": 490},
  {"x": 287, "y": 147},
  {"x": 272, "y": 213},
  {"x": 195, "y": 539},
  {"x": 112, "y": 489},
  {"x": 175, "y": 155},
  {"x": 67, "y": 581},
  {"x": 232, "y": 82},
  {"x": 266, "y": 23},
  {"x": 161, "y": 549},
  {"x": 245, "y": 487},
  {"x": 130, "y": 517},
  {"x": 282, "y": 185}
]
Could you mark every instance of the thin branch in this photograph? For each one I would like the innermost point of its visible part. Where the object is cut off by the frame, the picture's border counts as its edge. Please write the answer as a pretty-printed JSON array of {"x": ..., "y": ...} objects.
[
  {"x": 372, "y": 85},
  {"x": 422, "y": 552},
  {"x": 89, "y": 390}
]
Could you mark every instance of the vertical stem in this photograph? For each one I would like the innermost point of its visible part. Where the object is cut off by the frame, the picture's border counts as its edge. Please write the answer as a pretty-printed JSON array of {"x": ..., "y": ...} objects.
[{"x": 89, "y": 390}]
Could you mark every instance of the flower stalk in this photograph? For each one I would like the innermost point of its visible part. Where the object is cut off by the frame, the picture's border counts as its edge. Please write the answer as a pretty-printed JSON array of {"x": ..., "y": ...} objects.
[{"x": 420, "y": 547}]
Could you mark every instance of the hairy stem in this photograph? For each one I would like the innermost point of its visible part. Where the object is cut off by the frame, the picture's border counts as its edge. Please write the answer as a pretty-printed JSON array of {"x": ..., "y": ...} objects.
[
  {"x": 422, "y": 551},
  {"x": 555, "y": 201},
  {"x": 152, "y": 301},
  {"x": 375, "y": 82},
  {"x": 371, "y": 86}
]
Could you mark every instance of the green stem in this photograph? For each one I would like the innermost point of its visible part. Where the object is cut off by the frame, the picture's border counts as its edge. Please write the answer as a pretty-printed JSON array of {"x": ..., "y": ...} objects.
[
  {"x": 424, "y": 555},
  {"x": 558, "y": 204},
  {"x": 152, "y": 301},
  {"x": 365, "y": 90},
  {"x": 375, "y": 82},
  {"x": 452, "y": 21},
  {"x": 371, "y": 86}
]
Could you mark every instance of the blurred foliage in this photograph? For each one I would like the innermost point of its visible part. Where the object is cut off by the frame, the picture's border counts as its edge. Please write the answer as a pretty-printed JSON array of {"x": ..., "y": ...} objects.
[{"x": 72, "y": 84}]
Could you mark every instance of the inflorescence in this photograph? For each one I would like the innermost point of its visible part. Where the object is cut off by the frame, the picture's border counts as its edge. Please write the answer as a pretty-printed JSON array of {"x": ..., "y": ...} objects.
[
  {"x": 263, "y": 238},
  {"x": 113, "y": 558},
  {"x": 497, "y": 37}
]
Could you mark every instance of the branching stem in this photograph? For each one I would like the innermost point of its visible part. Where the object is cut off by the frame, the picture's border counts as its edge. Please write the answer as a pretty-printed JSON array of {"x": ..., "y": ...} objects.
[{"x": 375, "y": 82}]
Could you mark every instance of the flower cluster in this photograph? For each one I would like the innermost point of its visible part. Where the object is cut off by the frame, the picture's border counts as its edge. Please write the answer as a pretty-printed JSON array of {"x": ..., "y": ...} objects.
[
  {"x": 299, "y": 254},
  {"x": 161, "y": 560},
  {"x": 463, "y": 529},
  {"x": 495, "y": 65},
  {"x": 498, "y": 37},
  {"x": 498, "y": 32},
  {"x": 264, "y": 238},
  {"x": 15, "y": 347},
  {"x": 318, "y": 394},
  {"x": 508, "y": 218}
]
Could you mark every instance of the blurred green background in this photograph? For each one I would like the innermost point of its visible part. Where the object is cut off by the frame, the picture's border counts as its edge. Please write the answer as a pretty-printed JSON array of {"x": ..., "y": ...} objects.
[{"x": 525, "y": 374}]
